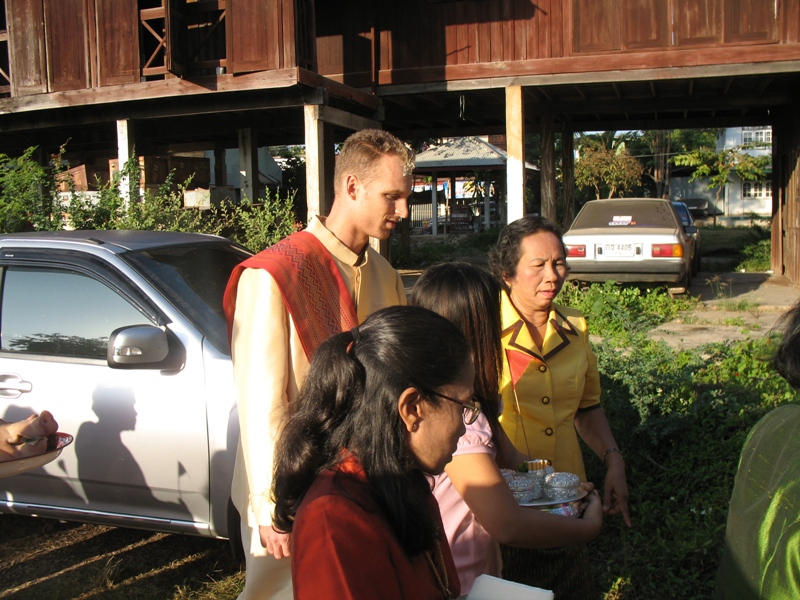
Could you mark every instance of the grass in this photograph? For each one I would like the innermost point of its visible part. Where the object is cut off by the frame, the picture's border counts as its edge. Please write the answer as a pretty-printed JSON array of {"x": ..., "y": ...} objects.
[{"x": 43, "y": 558}]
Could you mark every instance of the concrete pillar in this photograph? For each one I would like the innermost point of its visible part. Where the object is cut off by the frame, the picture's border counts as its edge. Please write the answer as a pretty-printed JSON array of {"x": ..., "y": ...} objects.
[
  {"x": 515, "y": 147},
  {"x": 548, "y": 184},
  {"x": 126, "y": 142},
  {"x": 248, "y": 164},
  {"x": 320, "y": 159}
]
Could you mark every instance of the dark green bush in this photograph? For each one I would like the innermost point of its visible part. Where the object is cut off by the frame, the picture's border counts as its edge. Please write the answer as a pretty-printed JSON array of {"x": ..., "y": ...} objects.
[
  {"x": 681, "y": 418},
  {"x": 28, "y": 201},
  {"x": 613, "y": 310},
  {"x": 758, "y": 257}
]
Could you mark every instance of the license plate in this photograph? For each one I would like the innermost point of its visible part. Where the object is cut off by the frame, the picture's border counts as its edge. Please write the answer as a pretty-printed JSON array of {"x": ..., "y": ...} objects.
[{"x": 618, "y": 250}]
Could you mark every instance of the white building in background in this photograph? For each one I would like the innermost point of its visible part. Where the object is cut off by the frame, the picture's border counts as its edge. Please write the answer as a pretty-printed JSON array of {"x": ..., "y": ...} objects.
[
  {"x": 739, "y": 198},
  {"x": 743, "y": 198}
]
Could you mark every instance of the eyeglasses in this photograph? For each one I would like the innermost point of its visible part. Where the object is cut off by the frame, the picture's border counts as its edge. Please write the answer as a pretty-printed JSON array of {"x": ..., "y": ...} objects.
[{"x": 471, "y": 408}]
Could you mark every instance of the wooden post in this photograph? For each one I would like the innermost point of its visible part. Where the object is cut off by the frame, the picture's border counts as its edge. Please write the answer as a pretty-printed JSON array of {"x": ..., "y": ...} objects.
[
  {"x": 126, "y": 142},
  {"x": 548, "y": 170},
  {"x": 515, "y": 147},
  {"x": 487, "y": 205},
  {"x": 248, "y": 164},
  {"x": 220, "y": 167},
  {"x": 434, "y": 205},
  {"x": 568, "y": 172}
]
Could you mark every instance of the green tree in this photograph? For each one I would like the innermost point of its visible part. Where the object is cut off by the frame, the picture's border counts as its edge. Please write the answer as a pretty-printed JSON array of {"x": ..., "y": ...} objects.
[
  {"x": 717, "y": 166},
  {"x": 28, "y": 200},
  {"x": 607, "y": 169},
  {"x": 655, "y": 147}
]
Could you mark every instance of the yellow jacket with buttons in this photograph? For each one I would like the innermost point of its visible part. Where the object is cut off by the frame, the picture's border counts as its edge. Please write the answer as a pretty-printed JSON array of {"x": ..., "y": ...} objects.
[{"x": 553, "y": 383}]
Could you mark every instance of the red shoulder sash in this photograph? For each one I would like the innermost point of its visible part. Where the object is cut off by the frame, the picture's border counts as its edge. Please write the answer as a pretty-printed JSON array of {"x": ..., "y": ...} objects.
[{"x": 311, "y": 286}]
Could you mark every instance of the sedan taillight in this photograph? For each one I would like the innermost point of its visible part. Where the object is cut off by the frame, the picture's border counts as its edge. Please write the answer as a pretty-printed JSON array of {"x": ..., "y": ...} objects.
[
  {"x": 576, "y": 251},
  {"x": 667, "y": 250}
]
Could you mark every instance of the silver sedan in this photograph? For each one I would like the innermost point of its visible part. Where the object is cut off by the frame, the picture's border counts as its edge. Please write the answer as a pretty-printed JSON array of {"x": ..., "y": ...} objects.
[{"x": 630, "y": 240}]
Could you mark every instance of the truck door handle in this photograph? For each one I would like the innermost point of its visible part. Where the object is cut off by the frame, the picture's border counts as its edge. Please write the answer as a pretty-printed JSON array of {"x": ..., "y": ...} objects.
[{"x": 13, "y": 386}]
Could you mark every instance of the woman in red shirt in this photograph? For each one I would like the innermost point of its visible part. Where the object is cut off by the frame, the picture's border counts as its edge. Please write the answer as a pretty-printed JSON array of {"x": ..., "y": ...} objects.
[{"x": 381, "y": 412}]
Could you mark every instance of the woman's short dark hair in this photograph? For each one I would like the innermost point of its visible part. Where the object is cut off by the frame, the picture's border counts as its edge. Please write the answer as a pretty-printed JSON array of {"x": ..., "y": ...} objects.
[
  {"x": 787, "y": 357},
  {"x": 504, "y": 256},
  {"x": 469, "y": 297},
  {"x": 349, "y": 401}
]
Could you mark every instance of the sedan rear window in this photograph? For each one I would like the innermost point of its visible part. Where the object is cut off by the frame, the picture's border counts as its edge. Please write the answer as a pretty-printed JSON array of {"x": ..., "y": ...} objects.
[{"x": 611, "y": 214}]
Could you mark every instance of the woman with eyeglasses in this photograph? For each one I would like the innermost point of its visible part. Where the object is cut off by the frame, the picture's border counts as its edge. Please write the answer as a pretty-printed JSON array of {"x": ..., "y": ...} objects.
[
  {"x": 477, "y": 506},
  {"x": 379, "y": 414}
]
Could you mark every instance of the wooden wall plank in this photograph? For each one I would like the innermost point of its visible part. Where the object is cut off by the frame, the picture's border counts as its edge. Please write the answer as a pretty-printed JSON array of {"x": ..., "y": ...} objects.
[
  {"x": 117, "y": 41},
  {"x": 66, "y": 44},
  {"x": 532, "y": 25},
  {"x": 450, "y": 34},
  {"x": 595, "y": 26},
  {"x": 507, "y": 17},
  {"x": 558, "y": 26},
  {"x": 521, "y": 32},
  {"x": 697, "y": 22},
  {"x": 645, "y": 24},
  {"x": 791, "y": 22},
  {"x": 484, "y": 40},
  {"x": 462, "y": 37},
  {"x": 496, "y": 30},
  {"x": 247, "y": 36},
  {"x": 26, "y": 47},
  {"x": 271, "y": 28},
  {"x": 543, "y": 49},
  {"x": 750, "y": 21},
  {"x": 288, "y": 35},
  {"x": 472, "y": 29}
]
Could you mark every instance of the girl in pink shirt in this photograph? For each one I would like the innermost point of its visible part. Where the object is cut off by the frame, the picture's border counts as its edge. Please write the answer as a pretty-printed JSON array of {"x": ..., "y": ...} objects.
[{"x": 478, "y": 509}]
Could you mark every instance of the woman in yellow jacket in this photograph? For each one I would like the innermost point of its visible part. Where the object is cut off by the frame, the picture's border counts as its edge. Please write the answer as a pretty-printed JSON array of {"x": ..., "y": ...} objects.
[{"x": 551, "y": 391}]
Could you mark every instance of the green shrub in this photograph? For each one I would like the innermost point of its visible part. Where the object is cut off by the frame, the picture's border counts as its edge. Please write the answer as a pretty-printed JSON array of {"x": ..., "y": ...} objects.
[
  {"x": 613, "y": 310},
  {"x": 257, "y": 226},
  {"x": 758, "y": 257},
  {"x": 28, "y": 201},
  {"x": 680, "y": 417}
]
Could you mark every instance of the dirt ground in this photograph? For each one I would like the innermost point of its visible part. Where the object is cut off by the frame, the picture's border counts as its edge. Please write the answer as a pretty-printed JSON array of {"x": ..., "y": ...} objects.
[{"x": 734, "y": 306}]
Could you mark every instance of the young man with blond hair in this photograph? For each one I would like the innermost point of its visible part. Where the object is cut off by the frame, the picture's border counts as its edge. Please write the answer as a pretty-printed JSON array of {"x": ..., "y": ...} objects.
[{"x": 282, "y": 303}]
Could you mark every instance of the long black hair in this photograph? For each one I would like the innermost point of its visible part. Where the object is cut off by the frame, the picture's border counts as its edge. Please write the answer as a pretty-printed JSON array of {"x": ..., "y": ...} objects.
[
  {"x": 469, "y": 297},
  {"x": 349, "y": 401}
]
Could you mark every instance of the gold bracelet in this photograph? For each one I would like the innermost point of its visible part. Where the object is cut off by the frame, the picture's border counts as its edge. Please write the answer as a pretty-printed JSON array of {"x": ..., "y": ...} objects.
[{"x": 611, "y": 451}]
